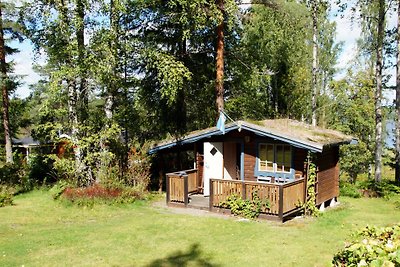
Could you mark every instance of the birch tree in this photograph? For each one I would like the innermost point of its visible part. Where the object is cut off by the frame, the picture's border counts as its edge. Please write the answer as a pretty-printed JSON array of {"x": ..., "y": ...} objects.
[
  {"x": 372, "y": 17},
  {"x": 8, "y": 28},
  {"x": 378, "y": 91},
  {"x": 397, "y": 112},
  {"x": 4, "y": 89}
]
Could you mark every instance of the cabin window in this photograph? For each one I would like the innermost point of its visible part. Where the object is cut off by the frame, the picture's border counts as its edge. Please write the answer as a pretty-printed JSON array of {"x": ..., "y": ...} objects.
[
  {"x": 274, "y": 158},
  {"x": 266, "y": 155}
]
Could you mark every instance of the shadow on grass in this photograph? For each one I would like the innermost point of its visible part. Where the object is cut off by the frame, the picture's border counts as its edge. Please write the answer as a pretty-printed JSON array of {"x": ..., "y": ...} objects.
[{"x": 194, "y": 256}]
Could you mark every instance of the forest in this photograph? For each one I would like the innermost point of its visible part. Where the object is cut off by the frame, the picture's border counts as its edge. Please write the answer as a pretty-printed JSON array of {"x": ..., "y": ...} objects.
[{"x": 120, "y": 74}]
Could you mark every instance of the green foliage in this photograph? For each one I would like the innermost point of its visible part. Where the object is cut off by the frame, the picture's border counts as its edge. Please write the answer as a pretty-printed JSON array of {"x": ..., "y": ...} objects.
[
  {"x": 309, "y": 205},
  {"x": 352, "y": 112},
  {"x": 40, "y": 168},
  {"x": 64, "y": 169},
  {"x": 58, "y": 189},
  {"x": 6, "y": 196},
  {"x": 171, "y": 74},
  {"x": 101, "y": 194},
  {"x": 272, "y": 62},
  {"x": 138, "y": 173},
  {"x": 378, "y": 247},
  {"x": 384, "y": 188},
  {"x": 369, "y": 188},
  {"x": 247, "y": 208},
  {"x": 349, "y": 190},
  {"x": 16, "y": 175}
]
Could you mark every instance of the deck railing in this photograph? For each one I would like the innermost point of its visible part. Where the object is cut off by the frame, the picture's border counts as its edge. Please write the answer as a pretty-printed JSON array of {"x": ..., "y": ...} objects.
[
  {"x": 284, "y": 199},
  {"x": 180, "y": 184}
]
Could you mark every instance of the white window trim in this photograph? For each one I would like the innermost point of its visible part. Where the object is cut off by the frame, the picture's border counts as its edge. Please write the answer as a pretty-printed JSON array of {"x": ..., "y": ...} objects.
[{"x": 274, "y": 164}]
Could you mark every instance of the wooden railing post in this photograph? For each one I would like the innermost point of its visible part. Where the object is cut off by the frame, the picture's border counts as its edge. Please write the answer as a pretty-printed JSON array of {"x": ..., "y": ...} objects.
[
  {"x": 281, "y": 202},
  {"x": 211, "y": 198},
  {"x": 243, "y": 190},
  {"x": 186, "y": 189},
  {"x": 167, "y": 185},
  {"x": 305, "y": 190}
]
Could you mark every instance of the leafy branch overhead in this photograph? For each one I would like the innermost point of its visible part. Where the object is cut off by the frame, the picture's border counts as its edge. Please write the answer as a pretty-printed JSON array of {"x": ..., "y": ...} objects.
[{"x": 171, "y": 74}]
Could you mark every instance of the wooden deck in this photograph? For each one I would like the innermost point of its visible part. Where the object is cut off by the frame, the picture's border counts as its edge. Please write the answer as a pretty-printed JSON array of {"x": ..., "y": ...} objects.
[{"x": 285, "y": 199}]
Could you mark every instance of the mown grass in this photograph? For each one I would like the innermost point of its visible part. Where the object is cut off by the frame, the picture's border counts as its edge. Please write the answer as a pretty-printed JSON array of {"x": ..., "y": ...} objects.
[{"x": 38, "y": 231}]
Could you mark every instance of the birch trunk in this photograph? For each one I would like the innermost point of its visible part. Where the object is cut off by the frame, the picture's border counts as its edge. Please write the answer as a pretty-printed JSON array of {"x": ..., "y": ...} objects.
[
  {"x": 378, "y": 92},
  {"x": 83, "y": 99},
  {"x": 397, "y": 168},
  {"x": 4, "y": 87},
  {"x": 112, "y": 90},
  {"x": 314, "y": 64}
]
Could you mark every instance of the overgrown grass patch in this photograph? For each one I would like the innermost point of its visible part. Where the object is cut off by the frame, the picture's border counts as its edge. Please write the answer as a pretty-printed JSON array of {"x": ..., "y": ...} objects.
[{"x": 38, "y": 231}]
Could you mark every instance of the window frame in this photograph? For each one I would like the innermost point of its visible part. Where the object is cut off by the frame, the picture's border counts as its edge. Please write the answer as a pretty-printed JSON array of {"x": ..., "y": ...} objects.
[{"x": 275, "y": 172}]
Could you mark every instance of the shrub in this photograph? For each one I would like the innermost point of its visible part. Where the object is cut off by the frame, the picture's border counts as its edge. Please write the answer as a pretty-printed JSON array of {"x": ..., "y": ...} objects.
[
  {"x": 139, "y": 167},
  {"x": 58, "y": 189},
  {"x": 377, "y": 247},
  {"x": 40, "y": 169},
  {"x": 100, "y": 194},
  {"x": 309, "y": 205},
  {"x": 6, "y": 196},
  {"x": 349, "y": 190},
  {"x": 247, "y": 208},
  {"x": 16, "y": 175},
  {"x": 382, "y": 189},
  {"x": 64, "y": 168}
]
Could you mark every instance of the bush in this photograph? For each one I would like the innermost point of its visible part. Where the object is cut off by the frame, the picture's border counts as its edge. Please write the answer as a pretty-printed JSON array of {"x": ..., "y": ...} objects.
[
  {"x": 41, "y": 169},
  {"x": 247, "y": 208},
  {"x": 58, "y": 189},
  {"x": 16, "y": 175},
  {"x": 377, "y": 247},
  {"x": 64, "y": 168},
  {"x": 383, "y": 189},
  {"x": 349, "y": 190},
  {"x": 100, "y": 194},
  {"x": 139, "y": 166},
  {"x": 6, "y": 196}
]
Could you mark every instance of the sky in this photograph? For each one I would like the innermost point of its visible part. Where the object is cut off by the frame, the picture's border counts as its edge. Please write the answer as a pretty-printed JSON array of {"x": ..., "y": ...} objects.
[{"x": 347, "y": 32}]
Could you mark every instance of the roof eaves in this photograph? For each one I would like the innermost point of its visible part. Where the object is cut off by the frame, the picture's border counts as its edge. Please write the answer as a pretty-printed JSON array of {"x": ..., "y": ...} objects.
[
  {"x": 256, "y": 129},
  {"x": 193, "y": 138}
]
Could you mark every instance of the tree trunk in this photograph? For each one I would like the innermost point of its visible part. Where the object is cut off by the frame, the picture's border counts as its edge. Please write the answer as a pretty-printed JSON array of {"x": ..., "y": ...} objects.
[
  {"x": 378, "y": 92},
  {"x": 219, "y": 83},
  {"x": 4, "y": 85},
  {"x": 112, "y": 86},
  {"x": 314, "y": 64},
  {"x": 397, "y": 121},
  {"x": 83, "y": 99}
]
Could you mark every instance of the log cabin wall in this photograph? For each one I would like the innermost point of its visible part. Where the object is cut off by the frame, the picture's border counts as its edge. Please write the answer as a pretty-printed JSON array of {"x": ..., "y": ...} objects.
[
  {"x": 299, "y": 158},
  {"x": 200, "y": 168},
  {"x": 250, "y": 159},
  {"x": 328, "y": 174}
]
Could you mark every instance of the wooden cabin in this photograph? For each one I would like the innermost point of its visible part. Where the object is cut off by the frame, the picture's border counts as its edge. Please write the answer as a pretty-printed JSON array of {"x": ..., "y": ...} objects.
[{"x": 268, "y": 156}]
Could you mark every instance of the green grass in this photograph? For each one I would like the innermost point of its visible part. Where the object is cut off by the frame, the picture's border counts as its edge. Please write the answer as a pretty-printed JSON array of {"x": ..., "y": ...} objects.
[{"x": 38, "y": 231}]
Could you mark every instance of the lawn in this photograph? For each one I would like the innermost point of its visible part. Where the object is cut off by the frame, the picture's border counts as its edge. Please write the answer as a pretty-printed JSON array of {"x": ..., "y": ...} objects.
[{"x": 38, "y": 231}]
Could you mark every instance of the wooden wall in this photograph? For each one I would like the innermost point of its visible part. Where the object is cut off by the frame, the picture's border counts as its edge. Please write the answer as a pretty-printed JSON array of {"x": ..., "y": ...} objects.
[
  {"x": 327, "y": 162},
  {"x": 328, "y": 175},
  {"x": 250, "y": 154},
  {"x": 299, "y": 157}
]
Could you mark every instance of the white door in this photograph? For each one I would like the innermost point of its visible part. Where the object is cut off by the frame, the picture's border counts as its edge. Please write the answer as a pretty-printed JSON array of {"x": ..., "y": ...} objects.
[{"x": 213, "y": 163}]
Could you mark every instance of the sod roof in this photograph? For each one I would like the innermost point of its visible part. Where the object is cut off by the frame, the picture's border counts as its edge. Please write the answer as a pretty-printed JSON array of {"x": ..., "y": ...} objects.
[{"x": 298, "y": 134}]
